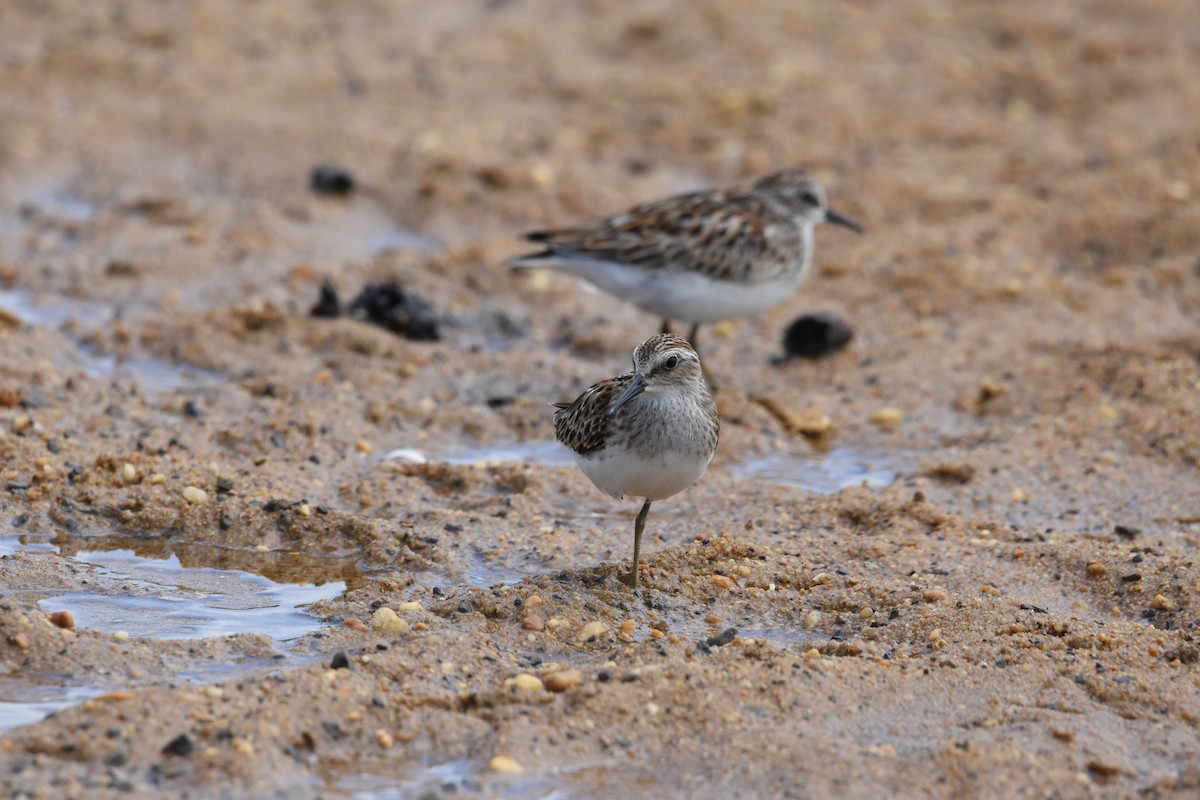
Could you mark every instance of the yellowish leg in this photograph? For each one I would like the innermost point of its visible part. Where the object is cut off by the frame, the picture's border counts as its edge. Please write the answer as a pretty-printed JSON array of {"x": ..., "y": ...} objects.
[{"x": 639, "y": 525}]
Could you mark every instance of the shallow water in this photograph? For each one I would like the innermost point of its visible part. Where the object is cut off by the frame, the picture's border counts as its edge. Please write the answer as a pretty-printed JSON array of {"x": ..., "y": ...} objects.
[
  {"x": 823, "y": 473},
  {"x": 808, "y": 469},
  {"x": 170, "y": 601},
  {"x": 150, "y": 373}
]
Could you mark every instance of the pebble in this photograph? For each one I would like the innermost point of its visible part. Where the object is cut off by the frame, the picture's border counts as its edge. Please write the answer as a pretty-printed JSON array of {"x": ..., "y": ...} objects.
[
  {"x": 363, "y": 446},
  {"x": 528, "y": 682},
  {"x": 243, "y": 746},
  {"x": 812, "y": 618},
  {"x": 63, "y": 619},
  {"x": 816, "y": 336},
  {"x": 724, "y": 581},
  {"x": 385, "y": 621},
  {"x": 591, "y": 630},
  {"x": 19, "y": 640},
  {"x": 261, "y": 548},
  {"x": 505, "y": 764},
  {"x": 181, "y": 745},
  {"x": 934, "y": 595},
  {"x": 129, "y": 473},
  {"x": 411, "y": 605},
  {"x": 121, "y": 636},
  {"x": 195, "y": 495},
  {"x": 629, "y": 627},
  {"x": 1162, "y": 603},
  {"x": 354, "y": 624},
  {"x": 384, "y": 739},
  {"x": 563, "y": 680},
  {"x": 331, "y": 180},
  {"x": 887, "y": 417},
  {"x": 533, "y": 622}
]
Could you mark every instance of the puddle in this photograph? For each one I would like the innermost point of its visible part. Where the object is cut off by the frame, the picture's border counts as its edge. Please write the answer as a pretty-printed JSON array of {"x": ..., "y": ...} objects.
[
  {"x": 824, "y": 473},
  {"x": 164, "y": 599},
  {"x": 483, "y": 574},
  {"x": 150, "y": 373},
  {"x": 459, "y": 776},
  {"x": 24, "y": 702},
  {"x": 54, "y": 313},
  {"x": 545, "y": 453}
]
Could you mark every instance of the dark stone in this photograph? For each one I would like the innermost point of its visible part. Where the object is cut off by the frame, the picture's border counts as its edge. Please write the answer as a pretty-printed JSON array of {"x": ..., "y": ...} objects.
[
  {"x": 1126, "y": 532},
  {"x": 328, "y": 305},
  {"x": 721, "y": 639},
  {"x": 190, "y": 409},
  {"x": 224, "y": 485},
  {"x": 403, "y": 313},
  {"x": 330, "y": 180},
  {"x": 815, "y": 336},
  {"x": 181, "y": 745},
  {"x": 340, "y": 660}
]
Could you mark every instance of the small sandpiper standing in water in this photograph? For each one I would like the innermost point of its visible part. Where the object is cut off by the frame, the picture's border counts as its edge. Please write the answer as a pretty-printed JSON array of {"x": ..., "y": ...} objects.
[
  {"x": 649, "y": 433},
  {"x": 699, "y": 257}
]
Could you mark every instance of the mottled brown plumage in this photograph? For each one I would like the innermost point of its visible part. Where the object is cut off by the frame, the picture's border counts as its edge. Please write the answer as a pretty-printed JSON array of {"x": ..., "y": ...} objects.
[
  {"x": 648, "y": 433},
  {"x": 699, "y": 257}
]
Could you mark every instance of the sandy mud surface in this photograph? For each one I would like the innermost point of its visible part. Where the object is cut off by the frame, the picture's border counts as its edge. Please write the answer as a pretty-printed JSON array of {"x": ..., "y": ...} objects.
[{"x": 246, "y": 551}]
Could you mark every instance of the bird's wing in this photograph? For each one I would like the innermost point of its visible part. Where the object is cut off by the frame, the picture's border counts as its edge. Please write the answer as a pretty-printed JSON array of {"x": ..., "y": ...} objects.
[
  {"x": 716, "y": 234},
  {"x": 583, "y": 425}
]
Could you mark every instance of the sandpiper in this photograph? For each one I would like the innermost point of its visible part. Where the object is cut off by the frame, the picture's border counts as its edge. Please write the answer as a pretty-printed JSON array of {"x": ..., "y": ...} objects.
[
  {"x": 649, "y": 433},
  {"x": 699, "y": 257}
]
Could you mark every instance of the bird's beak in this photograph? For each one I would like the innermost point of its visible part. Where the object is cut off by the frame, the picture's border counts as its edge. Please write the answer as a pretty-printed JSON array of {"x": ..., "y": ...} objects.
[
  {"x": 635, "y": 387},
  {"x": 845, "y": 222}
]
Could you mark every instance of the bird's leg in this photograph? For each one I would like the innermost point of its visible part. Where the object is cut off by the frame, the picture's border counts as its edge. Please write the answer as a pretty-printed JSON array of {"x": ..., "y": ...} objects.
[
  {"x": 666, "y": 326},
  {"x": 639, "y": 525},
  {"x": 694, "y": 340}
]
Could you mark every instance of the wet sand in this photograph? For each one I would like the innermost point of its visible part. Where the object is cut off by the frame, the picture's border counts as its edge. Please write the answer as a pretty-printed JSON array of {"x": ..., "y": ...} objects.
[{"x": 308, "y": 557}]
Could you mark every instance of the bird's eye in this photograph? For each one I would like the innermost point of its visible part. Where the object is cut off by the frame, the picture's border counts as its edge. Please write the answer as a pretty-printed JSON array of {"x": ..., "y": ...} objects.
[
  {"x": 672, "y": 362},
  {"x": 810, "y": 198}
]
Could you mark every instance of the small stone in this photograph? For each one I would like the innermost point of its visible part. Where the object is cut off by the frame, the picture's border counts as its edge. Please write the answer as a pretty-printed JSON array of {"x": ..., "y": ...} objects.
[
  {"x": 812, "y": 618},
  {"x": 723, "y": 581},
  {"x": 887, "y": 417},
  {"x": 331, "y": 180},
  {"x": 385, "y": 621},
  {"x": 505, "y": 764},
  {"x": 934, "y": 595},
  {"x": 1020, "y": 495},
  {"x": 354, "y": 624},
  {"x": 121, "y": 636},
  {"x": 1162, "y": 603},
  {"x": 935, "y": 634},
  {"x": 723, "y": 638},
  {"x": 592, "y": 630},
  {"x": 816, "y": 336},
  {"x": 340, "y": 660},
  {"x": 195, "y": 495},
  {"x": 812, "y": 652},
  {"x": 63, "y": 619},
  {"x": 527, "y": 682},
  {"x": 629, "y": 627},
  {"x": 129, "y": 473},
  {"x": 563, "y": 680},
  {"x": 533, "y": 600},
  {"x": 242, "y": 746},
  {"x": 19, "y": 640},
  {"x": 261, "y": 548},
  {"x": 363, "y": 446},
  {"x": 411, "y": 605},
  {"x": 182, "y": 745},
  {"x": 384, "y": 739},
  {"x": 533, "y": 622}
]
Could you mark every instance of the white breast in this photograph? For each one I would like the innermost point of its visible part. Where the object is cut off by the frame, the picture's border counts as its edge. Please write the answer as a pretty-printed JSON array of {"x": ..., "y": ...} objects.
[{"x": 618, "y": 472}]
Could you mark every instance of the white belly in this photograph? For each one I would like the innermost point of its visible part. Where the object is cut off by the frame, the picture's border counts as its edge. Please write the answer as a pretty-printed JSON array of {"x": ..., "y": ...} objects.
[
  {"x": 683, "y": 296},
  {"x": 618, "y": 472}
]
